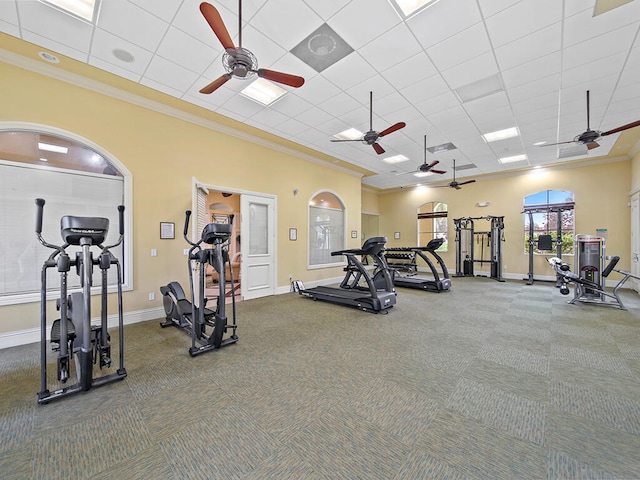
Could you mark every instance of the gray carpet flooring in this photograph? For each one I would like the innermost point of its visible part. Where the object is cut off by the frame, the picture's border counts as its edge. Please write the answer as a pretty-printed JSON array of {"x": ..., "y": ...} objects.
[{"x": 488, "y": 381}]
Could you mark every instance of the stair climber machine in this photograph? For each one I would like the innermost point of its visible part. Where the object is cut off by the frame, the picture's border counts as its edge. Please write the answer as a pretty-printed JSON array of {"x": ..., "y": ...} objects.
[
  {"x": 72, "y": 335},
  {"x": 206, "y": 327},
  {"x": 375, "y": 295},
  {"x": 403, "y": 261}
]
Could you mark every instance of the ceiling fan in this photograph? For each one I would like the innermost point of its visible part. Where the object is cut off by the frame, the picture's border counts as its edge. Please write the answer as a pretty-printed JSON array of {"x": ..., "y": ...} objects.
[
  {"x": 371, "y": 137},
  {"x": 426, "y": 168},
  {"x": 454, "y": 184},
  {"x": 590, "y": 137},
  {"x": 237, "y": 61}
]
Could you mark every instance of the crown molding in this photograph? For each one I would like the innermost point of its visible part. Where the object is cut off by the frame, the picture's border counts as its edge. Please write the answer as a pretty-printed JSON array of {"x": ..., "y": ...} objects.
[{"x": 96, "y": 86}]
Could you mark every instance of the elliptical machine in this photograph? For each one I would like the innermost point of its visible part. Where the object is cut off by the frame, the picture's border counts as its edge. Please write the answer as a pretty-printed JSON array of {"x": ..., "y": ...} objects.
[
  {"x": 191, "y": 316},
  {"x": 72, "y": 335}
]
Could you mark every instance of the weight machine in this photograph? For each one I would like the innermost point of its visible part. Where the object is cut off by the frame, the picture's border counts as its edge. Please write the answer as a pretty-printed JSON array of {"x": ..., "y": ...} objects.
[
  {"x": 591, "y": 273},
  {"x": 467, "y": 236},
  {"x": 545, "y": 242}
]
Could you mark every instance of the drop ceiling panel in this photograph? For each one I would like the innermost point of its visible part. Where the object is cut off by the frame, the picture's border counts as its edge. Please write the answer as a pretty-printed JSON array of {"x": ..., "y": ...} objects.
[
  {"x": 428, "y": 25},
  {"x": 286, "y": 23},
  {"x": 478, "y": 68},
  {"x": 165, "y": 10},
  {"x": 349, "y": 71},
  {"x": 460, "y": 48},
  {"x": 104, "y": 44},
  {"x": 47, "y": 22},
  {"x": 530, "y": 48},
  {"x": 410, "y": 71},
  {"x": 186, "y": 51},
  {"x": 522, "y": 19},
  {"x": 124, "y": 19},
  {"x": 390, "y": 48},
  {"x": 361, "y": 21}
]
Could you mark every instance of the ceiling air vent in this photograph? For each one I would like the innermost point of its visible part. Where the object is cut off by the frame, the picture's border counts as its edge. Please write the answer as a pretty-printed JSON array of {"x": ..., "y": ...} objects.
[
  {"x": 322, "y": 48},
  {"x": 465, "y": 167},
  {"x": 442, "y": 148}
]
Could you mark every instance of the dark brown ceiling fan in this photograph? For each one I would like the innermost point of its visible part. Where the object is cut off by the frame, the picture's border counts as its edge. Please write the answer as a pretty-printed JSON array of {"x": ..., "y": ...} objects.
[
  {"x": 454, "y": 183},
  {"x": 426, "y": 167},
  {"x": 590, "y": 137},
  {"x": 237, "y": 61},
  {"x": 371, "y": 137}
]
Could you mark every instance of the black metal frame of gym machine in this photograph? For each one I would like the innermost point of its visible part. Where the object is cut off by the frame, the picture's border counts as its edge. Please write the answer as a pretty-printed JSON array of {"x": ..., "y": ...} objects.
[
  {"x": 558, "y": 208},
  {"x": 464, "y": 267}
]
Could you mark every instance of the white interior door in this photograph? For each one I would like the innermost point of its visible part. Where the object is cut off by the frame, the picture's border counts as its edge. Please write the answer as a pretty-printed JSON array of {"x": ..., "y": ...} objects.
[
  {"x": 635, "y": 238},
  {"x": 258, "y": 246}
]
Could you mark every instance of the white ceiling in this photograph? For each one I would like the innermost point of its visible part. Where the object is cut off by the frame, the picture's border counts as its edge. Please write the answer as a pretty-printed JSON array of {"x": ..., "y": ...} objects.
[{"x": 546, "y": 53}]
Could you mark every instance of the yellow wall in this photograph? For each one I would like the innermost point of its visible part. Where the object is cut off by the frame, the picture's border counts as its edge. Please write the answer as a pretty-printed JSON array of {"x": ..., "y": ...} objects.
[
  {"x": 163, "y": 154},
  {"x": 601, "y": 194}
]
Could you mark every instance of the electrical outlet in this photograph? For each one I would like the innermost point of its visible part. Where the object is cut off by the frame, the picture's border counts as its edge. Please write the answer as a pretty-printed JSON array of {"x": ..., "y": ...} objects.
[
  {"x": 152, "y": 296},
  {"x": 290, "y": 277},
  {"x": 185, "y": 251},
  {"x": 154, "y": 252}
]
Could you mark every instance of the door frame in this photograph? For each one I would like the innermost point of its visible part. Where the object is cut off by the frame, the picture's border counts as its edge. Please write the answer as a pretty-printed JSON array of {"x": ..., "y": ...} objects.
[{"x": 195, "y": 184}]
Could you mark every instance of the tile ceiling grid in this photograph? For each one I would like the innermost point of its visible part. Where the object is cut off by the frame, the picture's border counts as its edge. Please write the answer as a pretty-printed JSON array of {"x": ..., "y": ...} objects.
[{"x": 546, "y": 53}]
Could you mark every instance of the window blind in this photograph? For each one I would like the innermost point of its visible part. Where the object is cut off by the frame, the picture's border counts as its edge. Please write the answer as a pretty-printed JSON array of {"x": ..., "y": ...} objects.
[{"x": 66, "y": 192}]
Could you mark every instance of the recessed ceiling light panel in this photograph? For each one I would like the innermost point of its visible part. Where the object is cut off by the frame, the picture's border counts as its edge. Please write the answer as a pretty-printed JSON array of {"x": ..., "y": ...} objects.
[
  {"x": 263, "y": 91},
  {"x": 395, "y": 159},
  {"x": 349, "y": 134},
  {"x": 86, "y": 10},
  {"x": 501, "y": 134},
  {"x": 515, "y": 158},
  {"x": 408, "y": 8}
]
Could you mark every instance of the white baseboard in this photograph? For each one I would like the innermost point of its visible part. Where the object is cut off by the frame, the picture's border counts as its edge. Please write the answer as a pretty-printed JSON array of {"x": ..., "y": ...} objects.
[{"x": 32, "y": 335}]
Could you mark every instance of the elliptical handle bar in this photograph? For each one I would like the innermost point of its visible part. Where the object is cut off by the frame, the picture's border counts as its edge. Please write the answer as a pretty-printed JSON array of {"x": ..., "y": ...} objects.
[
  {"x": 40, "y": 205},
  {"x": 120, "y": 231},
  {"x": 40, "y": 212},
  {"x": 186, "y": 229}
]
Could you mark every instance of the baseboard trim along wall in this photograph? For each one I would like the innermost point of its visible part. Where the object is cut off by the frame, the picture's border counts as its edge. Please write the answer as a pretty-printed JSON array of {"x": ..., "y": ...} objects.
[{"x": 32, "y": 335}]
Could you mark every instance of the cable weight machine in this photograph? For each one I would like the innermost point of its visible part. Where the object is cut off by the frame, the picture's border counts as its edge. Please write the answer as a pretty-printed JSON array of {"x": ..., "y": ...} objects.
[{"x": 467, "y": 238}]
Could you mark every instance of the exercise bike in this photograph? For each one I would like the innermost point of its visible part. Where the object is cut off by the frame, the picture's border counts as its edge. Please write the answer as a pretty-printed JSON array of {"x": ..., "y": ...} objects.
[
  {"x": 72, "y": 335},
  {"x": 206, "y": 327}
]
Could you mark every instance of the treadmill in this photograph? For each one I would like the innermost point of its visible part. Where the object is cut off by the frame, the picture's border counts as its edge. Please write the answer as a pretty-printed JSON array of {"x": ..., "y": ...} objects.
[
  {"x": 370, "y": 296},
  {"x": 403, "y": 261}
]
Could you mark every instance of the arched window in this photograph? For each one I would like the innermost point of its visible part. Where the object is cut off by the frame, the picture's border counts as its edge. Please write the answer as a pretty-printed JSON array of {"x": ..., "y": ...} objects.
[
  {"x": 74, "y": 177},
  {"x": 550, "y": 212},
  {"x": 326, "y": 229},
  {"x": 432, "y": 223}
]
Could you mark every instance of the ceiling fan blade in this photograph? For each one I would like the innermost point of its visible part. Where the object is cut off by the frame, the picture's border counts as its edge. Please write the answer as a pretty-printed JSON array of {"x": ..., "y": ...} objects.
[
  {"x": 284, "y": 78},
  {"x": 213, "y": 18},
  {"x": 213, "y": 86},
  {"x": 559, "y": 143},
  {"x": 464, "y": 183},
  {"x": 438, "y": 171},
  {"x": 623, "y": 127},
  {"x": 392, "y": 129},
  {"x": 434, "y": 163},
  {"x": 379, "y": 150},
  {"x": 592, "y": 145}
]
